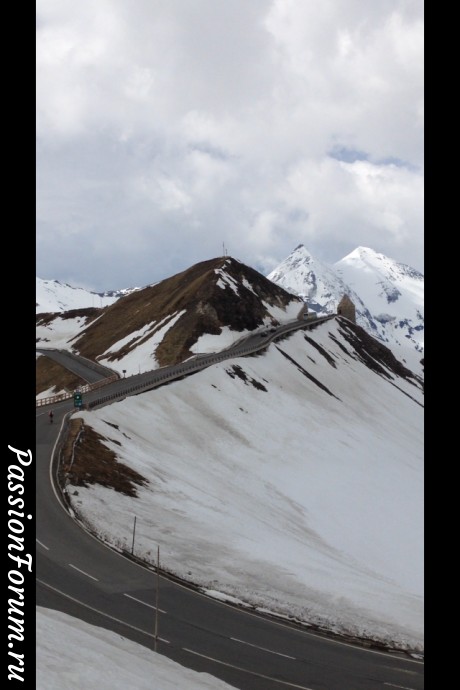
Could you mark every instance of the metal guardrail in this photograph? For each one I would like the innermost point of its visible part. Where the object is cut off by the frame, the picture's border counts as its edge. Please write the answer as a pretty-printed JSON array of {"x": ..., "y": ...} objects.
[
  {"x": 86, "y": 388},
  {"x": 192, "y": 367},
  {"x": 202, "y": 361}
]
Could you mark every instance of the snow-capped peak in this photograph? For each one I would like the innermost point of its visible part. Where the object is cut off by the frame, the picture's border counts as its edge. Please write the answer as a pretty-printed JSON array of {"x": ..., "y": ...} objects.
[
  {"x": 367, "y": 259},
  {"x": 300, "y": 255},
  {"x": 302, "y": 274},
  {"x": 388, "y": 295},
  {"x": 382, "y": 279}
]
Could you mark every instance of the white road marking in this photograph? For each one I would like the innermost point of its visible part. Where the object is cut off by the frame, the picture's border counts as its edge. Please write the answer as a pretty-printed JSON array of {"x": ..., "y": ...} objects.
[
  {"x": 403, "y": 687},
  {"x": 401, "y": 670},
  {"x": 245, "y": 670},
  {"x": 264, "y": 649},
  {"x": 101, "y": 613},
  {"x": 83, "y": 572},
  {"x": 39, "y": 542},
  {"x": 145, "y": 603}
]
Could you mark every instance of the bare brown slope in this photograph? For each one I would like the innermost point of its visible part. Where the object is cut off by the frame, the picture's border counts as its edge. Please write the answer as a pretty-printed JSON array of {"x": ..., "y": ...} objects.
[{"x": 207, "y": 307}]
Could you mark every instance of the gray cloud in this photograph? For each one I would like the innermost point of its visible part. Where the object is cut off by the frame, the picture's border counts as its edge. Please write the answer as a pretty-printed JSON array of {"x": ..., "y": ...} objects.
[{"x": 164, "y": 129}]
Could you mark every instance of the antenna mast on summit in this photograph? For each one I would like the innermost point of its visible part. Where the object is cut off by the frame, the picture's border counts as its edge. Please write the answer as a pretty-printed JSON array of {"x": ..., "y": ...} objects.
[{"x": 224, "y": 250}]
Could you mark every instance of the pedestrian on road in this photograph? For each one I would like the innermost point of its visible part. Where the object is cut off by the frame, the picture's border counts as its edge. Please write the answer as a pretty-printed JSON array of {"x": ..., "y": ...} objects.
[{"x": 51, "y": 415}]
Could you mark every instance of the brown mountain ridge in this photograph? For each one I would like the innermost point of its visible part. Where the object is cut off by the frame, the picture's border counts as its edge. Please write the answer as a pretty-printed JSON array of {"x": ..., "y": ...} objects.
[{"x": 201, "y": 300}]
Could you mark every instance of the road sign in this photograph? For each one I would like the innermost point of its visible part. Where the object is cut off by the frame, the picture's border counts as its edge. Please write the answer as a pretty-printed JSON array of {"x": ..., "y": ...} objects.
[{"x": 77, "y": 399}]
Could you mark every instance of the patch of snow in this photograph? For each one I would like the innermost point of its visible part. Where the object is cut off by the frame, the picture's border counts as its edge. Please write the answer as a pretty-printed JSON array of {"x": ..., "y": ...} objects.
[
  {"x": 248, "y": 286},
  {"x": 134, "y": 335},
  {"x": 282, "y": 314},
  {"x": 226, "y": 280},
  {"x": 60, "y": 332},
  {"x": 298, "y": 501},
  {"x": 72, "y": 654},
  {"x": 142, "y": 357},
  {"x": 214, "y": 343},
  {"x": 50, "y": 392},
  {"x": 224, "y": 597}
]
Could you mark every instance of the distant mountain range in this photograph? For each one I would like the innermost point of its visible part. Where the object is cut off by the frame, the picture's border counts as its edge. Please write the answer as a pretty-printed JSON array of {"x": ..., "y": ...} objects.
[
  {"x": 54, "y": 296},
  {"x": 223, "y": 295},
  {"x": 388, "y": 295}
]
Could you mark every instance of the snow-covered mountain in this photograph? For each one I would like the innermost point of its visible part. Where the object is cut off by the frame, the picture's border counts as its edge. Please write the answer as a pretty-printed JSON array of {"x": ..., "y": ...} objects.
[
  {"x": 290, "y": 481},
  {"x": 316, "y": 282},
  {"x": 51, "y": 296},
  {"x": 204, "y": 308},
  {"x": 393, "y": 293},
  {"x": 388, "y": 295}
]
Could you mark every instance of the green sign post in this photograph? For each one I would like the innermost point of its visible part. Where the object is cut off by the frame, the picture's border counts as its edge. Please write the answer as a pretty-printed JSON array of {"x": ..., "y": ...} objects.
[{"x": 77, "y": 399}]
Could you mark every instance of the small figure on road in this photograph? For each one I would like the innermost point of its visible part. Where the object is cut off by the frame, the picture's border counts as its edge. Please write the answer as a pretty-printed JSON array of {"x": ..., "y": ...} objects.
[{"x": 51, "y": 415}]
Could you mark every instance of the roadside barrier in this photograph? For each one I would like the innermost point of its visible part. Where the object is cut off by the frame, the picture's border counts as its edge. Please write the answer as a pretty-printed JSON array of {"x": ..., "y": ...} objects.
[
  {"x": 53, "y": 399},
  {"x": 188, "y": 367}
]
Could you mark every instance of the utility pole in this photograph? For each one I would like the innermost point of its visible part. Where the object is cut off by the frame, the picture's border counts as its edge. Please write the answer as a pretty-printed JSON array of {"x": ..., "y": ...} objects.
[
  {"x": 134, "y": 534},
  {"x": 157, "y": 593}
]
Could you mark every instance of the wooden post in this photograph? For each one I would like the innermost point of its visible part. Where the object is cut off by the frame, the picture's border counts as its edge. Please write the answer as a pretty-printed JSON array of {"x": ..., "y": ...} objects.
[{"x": 134, "y": 534}]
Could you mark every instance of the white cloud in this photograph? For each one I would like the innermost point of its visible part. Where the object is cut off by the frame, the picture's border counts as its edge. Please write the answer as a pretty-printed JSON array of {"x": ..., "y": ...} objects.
[
  {"x": 342, "y": 198},
  {"x": 181, "y": 124}
]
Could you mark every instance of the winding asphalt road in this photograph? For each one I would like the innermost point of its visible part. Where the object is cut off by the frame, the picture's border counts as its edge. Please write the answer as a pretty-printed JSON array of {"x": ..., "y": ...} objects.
[
  {"x": 89, "y": 371},
  {"x": 79, "y": 575}
]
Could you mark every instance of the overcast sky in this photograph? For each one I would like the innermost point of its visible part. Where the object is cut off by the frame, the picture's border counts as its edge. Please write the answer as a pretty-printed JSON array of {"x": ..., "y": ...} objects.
[{"x": 167, "y": 127}]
